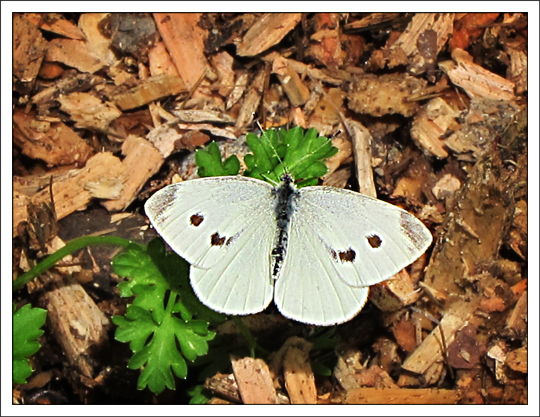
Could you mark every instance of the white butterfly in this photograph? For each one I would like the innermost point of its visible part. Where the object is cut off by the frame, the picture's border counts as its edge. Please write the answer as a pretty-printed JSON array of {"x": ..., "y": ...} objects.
[{"x": 314, "y": 250}]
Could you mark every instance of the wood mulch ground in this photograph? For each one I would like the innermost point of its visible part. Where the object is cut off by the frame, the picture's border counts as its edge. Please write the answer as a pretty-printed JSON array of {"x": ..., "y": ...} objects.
[{"x": 428, "y": 111}]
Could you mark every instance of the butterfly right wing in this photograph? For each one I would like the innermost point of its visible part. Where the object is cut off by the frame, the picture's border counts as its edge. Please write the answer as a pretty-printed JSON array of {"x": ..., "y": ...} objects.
[{"x": 225, "y": 227}]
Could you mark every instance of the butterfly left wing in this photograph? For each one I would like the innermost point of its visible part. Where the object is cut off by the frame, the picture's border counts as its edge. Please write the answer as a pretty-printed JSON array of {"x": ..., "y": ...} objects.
[{"x": 225, "y": 228}]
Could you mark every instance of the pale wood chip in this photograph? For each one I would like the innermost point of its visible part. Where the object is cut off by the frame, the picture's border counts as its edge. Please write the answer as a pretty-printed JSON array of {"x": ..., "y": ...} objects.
[
  {"x": 141, "y": 161},
  {"x": 96, "y": 42},
  {"x": 200, "y": 116},
  {"x": 251, "y": 101},
  {"x": 431, "y": 350},
  {"x": 73, "y": 53},
  {"x": 254, "y": 381},
  {"x": 70, "y": 193},
  {"x": 76, "y": 322},
  {"x": 395, "y": 293},
  {"x": 401, "y": 396},
  {"x": 475, "y": 80},
  {"x": 299, "y": 377},
  {"x": 295, "y": 89},
  {"x": 184, "y": 40},
  {"x": 160, "y": 61},
  {"x": 223, "y": 64},
  {"x": 54, "y": 143},
  {"x": 56, "y": 23},
  {"x": 430, "y": 124},
  {"x": 269, "y": 30},
  {"x": 361, "y": 140},
  {"x": 88, "y": 111},
  {"x": 149, "y": 90},
  {"x": 29, "y": 49},
  {"x": 239, "y": 87},
  {"x": 371, "y": 20},
  {"x": 304, "y": 69}
]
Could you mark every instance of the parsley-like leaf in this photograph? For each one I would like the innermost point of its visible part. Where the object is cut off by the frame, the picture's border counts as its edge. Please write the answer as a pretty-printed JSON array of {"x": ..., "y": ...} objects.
[
  {"x": 211, "y": 165},
  {"x": 27, "y": 322}
]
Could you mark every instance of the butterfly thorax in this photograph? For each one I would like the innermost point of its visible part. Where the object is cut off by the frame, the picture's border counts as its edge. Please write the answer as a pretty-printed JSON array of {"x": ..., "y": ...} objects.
[{"x": 284, "y": 198}]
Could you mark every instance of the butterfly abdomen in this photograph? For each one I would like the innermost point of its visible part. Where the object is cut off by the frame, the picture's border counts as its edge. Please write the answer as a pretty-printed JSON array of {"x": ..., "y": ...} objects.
[{"x": 284, "y": 198}]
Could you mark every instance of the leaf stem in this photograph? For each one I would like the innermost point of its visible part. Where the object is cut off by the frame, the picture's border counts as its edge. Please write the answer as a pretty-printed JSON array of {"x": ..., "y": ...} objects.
[{"x": 70, "y": 247}]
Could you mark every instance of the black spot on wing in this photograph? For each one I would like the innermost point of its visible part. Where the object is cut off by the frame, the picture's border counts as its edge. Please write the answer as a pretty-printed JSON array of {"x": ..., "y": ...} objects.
[
  {"x": 374, "y": 241},
  {"x": 217, "y": 240},
  {"x": 347, "y": 256},
  {"x": 196, "y": 219}
]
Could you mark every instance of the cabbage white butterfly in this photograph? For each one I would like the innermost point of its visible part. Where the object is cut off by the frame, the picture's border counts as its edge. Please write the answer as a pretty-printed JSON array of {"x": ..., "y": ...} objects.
[{"x": 314, "y": 250}]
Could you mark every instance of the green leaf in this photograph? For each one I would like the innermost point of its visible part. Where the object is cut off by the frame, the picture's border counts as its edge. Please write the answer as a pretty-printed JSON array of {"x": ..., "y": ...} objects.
[
  {"x": 161, "y": 341},
  {"x": 27, "y": 323},
  {"x": 155, "y": 346},
  {"x": 210, "y": 163},
  {"x": 199, "y": 395},
  {"x": 277, "y": 152}
]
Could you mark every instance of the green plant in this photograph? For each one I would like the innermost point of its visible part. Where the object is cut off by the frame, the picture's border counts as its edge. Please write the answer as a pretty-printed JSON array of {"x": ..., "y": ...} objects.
[
  {"x": 161, "y": 315},
  {"x": 27, "y": 323},
  {"x": 295, "y": 151}
]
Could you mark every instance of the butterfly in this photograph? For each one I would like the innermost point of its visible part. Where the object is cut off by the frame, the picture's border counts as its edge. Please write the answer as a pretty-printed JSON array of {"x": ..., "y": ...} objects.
[{"x": 313, "y": 250}]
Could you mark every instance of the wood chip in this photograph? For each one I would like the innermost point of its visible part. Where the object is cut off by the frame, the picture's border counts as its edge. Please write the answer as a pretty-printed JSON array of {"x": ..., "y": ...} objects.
[
  {"x": 270, "y": 29},
  {"x": 385, "y": 94},
  {"x": 141, "y": 161},
  {"x": 251, "y": 102},
  {"x": 517, "y": 360},
  {"x": 516, "y": 323},
  {"x": 361, "y": 140},
  {"x": 430, "y": 124},
  {"x": 160, "y": 61},
  {"x": 401, "y": 396},
  {"x": 149, "y": 90},
  {"x": 88, "y": 111},
  {"x": 295, "y": 89},
  {"x": 29, "y": 49},
  {"x": 54, "y": 143},
  {"x": 70, "y": 193},
  {"x": 431, "y": 349},
  {"x": 75, "y": 54},
  {"x": 254, "y": 381},
  {"x": 475, "y": 80},
  {"x": 96, "y": 42},
  {"x": 56, "y": 23},
  {"x": 184, "y": 40},
  {"x": 224, "y": 385},
  {"x": 395, "y": 293},
  {"x": 76, "y": 322},
  {"x": 441, "y": 24},
  {"x": 299, "y": 377}
]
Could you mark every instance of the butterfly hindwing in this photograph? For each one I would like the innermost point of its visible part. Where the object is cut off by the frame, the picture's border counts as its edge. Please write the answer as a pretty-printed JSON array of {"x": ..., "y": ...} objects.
[{"x": 308, "y": 288}]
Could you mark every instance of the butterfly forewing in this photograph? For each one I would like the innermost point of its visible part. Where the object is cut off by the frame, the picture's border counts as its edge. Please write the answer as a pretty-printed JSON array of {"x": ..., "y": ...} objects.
[
  {"x": 366, "y": 240},
  {"x": 202, "y": 219}
]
